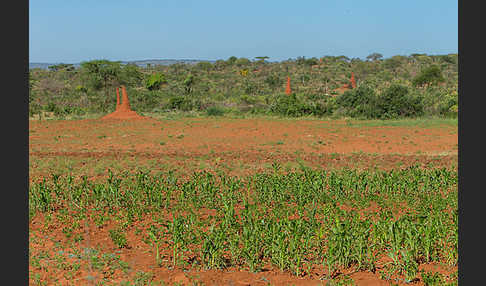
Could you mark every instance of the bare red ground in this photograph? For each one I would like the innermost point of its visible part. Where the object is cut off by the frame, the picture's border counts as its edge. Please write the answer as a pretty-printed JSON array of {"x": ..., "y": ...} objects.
[
  {"x": 255, "y": 142},
  {"x": 248, "y": 137}
]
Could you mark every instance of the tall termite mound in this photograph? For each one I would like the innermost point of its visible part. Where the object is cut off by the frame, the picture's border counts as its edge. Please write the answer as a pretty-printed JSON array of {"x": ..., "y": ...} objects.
[
  {"x": 353, "y": 81},
  {"x": 287, "y": 88},
  {"x": 122, "y": 110}
]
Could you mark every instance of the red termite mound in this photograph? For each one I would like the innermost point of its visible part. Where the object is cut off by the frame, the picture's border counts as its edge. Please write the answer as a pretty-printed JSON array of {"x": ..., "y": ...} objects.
[
  {"x": 123, "y": 110},
  {"x": 287, "y": 89},
  {"x": 353, "y": 81}
]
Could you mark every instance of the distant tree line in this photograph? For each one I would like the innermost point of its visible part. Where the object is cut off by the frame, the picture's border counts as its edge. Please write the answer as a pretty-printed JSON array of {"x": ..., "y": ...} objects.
[{"x": 399, "y": 86}]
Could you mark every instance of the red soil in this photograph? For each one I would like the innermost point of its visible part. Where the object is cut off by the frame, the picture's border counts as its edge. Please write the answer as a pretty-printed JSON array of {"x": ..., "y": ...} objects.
[
  {"x": 245, "y": 146},
  {"x": 123, "y": 110},
  {"x": 218, "y": 142}
]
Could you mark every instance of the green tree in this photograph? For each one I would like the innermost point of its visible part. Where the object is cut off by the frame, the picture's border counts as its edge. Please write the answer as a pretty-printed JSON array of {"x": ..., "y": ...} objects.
[
  {"x": 429, "y": 75},
  {"x": 393, "y": 63},
  {"x": 220, "y": 65},
  {"x": 189, "y": 83},
  {"x": 232, "y": 60},
  {"x": 374, "y": 56},
  {"x": 154, "y": 81},
  {"x": 396, "y": 102},
  {"x": 204, "y": 66},
  {"x": 361, "y": 101},
  {"x": 242, "y": 62},
  {"x": 101, "y": 74},
  {"x": 273, "y": 81},
  {"x": 65, "y": 67},
  {"x": 262, "y": 59},
  {"x": 130, "y": 75}
]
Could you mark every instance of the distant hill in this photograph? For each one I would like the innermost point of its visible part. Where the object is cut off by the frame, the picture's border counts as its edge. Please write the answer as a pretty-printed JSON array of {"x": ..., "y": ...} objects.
[{"x": 141, "y": 63}]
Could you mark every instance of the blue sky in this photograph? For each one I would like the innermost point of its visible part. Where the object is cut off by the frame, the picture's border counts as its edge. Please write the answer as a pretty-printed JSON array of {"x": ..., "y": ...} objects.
[{"x": 72, "y": 31}]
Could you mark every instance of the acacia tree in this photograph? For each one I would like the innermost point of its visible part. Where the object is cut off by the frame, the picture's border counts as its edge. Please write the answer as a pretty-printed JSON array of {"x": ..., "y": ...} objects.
[
  {"x": 262, "y": 59},
  {"x": 429, "y": 75},
  {"x": 101, "y": 74},
  {"x": 205, "y": 66},
  {"x": 374, "y": 56},
  {"x": 66, "y": 67}
]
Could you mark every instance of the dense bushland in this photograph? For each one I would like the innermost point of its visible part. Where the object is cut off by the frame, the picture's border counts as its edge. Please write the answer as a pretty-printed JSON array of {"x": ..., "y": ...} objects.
[{"x": 400, "y": 86}]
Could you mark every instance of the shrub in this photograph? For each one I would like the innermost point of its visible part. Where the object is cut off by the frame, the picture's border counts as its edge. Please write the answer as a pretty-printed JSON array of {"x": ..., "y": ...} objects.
[
  {"x": 396, "y": 102},
  {"x": 242, "y": 62},
  {"x": 429, "y": 75},
  {"x": 154, "y": 81},
  {"x": 215, "y": 111},
  {"x": 181, "y": 103},
  {"x": 248, "y": 99},
  {"x": 290, "y": 105},
  {"x": 439, "y": 102},
  {"x": 361, "y": 102},
  {"x": 273, "y": 81},
  {"x": 34, "y": 108}
]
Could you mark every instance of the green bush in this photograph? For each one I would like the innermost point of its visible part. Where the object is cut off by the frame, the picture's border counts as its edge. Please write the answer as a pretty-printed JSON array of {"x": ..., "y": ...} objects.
[
  {"x": 215, "y": 111},
  {"x": 429, "y": 75},
  {"x": 290, "y": 105},
  {"x": 440, "y": 102},
  {"x": 360, "y": 102},
  {"x": 154, "y": 81},
  {"x": 273, "y": 81},
  {"x": 34, "y": 108},
  {"x": 180, "y": 103},
  {"x": 396, "y": 102}
]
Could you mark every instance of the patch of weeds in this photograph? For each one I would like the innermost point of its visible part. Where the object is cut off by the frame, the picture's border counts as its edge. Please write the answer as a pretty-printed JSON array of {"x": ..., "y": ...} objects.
[
  {"x": 101, "y": 136},
  {"x": 180, "y": 136},
  {"x": 101, "y": 220},
  {"x": 430, "y": 278},
  {"x": 78, "y": 238},
  {"x": 334, "y": 155},
  {"x": 341, "y": 281},
  {"x": 34, "y": 261},
  {"x": 162, "y": 143},
  {"x": 68, "y": 232},
  {"x": 37, "y": 279},
  {"x": 143, "y": 278},
  {"x": 118, "y": 238}
]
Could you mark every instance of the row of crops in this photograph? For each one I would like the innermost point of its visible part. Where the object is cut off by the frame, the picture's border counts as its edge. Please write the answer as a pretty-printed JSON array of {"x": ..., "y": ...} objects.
[{"x": 385, "y": 221}]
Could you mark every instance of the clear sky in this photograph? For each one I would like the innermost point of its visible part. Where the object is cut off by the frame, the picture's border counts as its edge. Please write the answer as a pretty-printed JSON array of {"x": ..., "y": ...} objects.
[{"x": 71, "y": 31}]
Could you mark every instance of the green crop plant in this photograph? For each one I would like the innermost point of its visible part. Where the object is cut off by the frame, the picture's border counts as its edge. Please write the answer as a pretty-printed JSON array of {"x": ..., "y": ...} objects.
[
  {"x": 339, "y": 219},
  {"x": 155, "y": 240},
  {"x": 118, "y": 238}
]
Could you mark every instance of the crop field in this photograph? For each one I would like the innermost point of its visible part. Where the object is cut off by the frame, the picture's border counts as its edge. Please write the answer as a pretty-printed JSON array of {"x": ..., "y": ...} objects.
[{"x": 243, "y": 201}]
